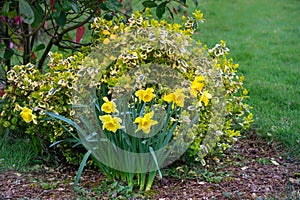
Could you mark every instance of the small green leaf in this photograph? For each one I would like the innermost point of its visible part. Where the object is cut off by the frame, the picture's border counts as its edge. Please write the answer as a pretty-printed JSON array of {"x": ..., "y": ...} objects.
[
  {"x": 161, "y": 9},
  {"x": 57, "y": 11},
  {"x": 183, "y": 1},
  {"x": 103, "y": 6},
  {"x": 38, "y": 15},
  {"x": 39, "y": 47},
  {"x": 74, "y": 6},
  {"x": 149, "y": 4},
  {"x": 69, "y": 5},
  {"x": 113, "y": 5},
  {"x": 5, "y": 9},
  {"x": 26, "y": 12},
  {"x": 13, "y": 13},
  {"x": 116, "y": 4},
  {"x": 38, "y": 8},
  {"x": 8, "y": 53},
  {"x": 2, "y": 46},
  {"x": 66, "y": 6},
  {"x": 61, "y": 19},
  {"x": 108, "y": 16}
]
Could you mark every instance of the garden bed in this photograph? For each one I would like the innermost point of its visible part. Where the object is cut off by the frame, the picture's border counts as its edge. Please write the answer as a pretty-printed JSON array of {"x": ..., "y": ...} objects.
[{"x": 253, "y": 169}]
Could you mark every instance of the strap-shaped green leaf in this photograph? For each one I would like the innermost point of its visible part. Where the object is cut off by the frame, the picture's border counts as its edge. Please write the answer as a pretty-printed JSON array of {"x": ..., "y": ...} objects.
[{"x": 80, "y": 169}]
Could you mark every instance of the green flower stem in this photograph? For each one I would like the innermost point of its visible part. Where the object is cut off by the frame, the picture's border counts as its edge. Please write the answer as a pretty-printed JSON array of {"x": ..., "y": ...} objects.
[
  {"x": 142, "y": 180},
  {"x": 151, "y": 177}
]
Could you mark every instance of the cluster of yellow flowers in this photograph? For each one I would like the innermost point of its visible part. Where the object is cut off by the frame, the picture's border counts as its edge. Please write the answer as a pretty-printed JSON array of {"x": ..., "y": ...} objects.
[
  {"x": 197, "y": 87},
  {"x": 112, "y": 124},
  {"x": 111, "y": 36}
]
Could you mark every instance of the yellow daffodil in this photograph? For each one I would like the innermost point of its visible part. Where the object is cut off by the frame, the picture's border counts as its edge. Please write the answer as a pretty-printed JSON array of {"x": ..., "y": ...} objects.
[
  {"x": 197, "y": 85},
  {"x": 106, "y": 41},
  {"x": 113, "y": 36},
  {"x": 198, "y": 15},
  {"x": 145, "y": 123},
  {"x": 145, "y": 95},
  {"x": 205, "y": 97},
  {"x": 176, "y": 97},
  {"x": 109, "y": 106},
  {"x": 169, "y": 98},
  {"x": 27, "y": 115},
  {"x": 106, "y": 32},
  {"x": 179, "y": 97},
  {"x": 111, "y": 123}
]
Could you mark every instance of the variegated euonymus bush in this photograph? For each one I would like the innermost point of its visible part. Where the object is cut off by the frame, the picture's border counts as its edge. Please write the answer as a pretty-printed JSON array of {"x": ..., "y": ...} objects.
[
  {"x": 30, "y": 93},
  {"x": 145, "y": 86},
  {"x": 196, "y": 62}
]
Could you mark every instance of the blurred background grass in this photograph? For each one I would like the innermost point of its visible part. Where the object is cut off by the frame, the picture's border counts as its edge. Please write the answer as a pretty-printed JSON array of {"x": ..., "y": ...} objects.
[{"x": 264, "y": 38}]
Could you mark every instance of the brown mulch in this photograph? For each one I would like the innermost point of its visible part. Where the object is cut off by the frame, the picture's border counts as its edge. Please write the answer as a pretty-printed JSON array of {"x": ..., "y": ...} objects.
[
  {"x": 257, "y": 171},
  {"x": 253, "y": 169}
]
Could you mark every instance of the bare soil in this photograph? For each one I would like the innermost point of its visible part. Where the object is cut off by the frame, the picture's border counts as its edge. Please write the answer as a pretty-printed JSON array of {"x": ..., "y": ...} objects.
[{"x": 252, "y": 169}]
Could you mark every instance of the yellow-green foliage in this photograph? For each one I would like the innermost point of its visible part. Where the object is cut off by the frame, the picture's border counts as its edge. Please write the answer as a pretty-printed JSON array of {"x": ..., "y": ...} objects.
[{"x": 52, "y": 90}]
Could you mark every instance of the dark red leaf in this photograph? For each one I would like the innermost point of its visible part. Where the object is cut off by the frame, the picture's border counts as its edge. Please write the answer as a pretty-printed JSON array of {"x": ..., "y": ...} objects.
[
  {"x": 33, "y": 56},
  {"x": 52, "y": 4},
  {"x": 79, "y": 33},
  {"x": 1, "y": 92},
  {"x": 174, "y": 10}
]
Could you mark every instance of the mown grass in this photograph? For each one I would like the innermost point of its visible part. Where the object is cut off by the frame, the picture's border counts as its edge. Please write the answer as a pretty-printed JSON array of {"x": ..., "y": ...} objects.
[{"x": 264, "y": 38}]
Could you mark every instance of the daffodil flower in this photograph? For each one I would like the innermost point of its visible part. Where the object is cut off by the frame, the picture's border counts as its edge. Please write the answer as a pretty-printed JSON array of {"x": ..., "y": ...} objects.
[
  {"x": 145, "y": 95},
  {"x": 198, "y": 15},
  {"x": 179, "y": 97},
  {"x": 106, "y": 41},
  {"x": 176, "y": 97},
  {"x": 109, "y": 106},
  {"x": 197, "y": 85},
  {"x": 205, "y": 97},
  {"x": 145, "y": 123},
  {"x": 106, "y": 32},
  {"x": 111, "y": 123},
  {"x": 169, "y": 98},
  {"x": 27, "y": 115}
]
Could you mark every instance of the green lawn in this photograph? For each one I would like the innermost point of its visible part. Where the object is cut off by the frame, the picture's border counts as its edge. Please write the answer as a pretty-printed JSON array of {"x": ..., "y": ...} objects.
[{"x": 264, "y": 38}]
